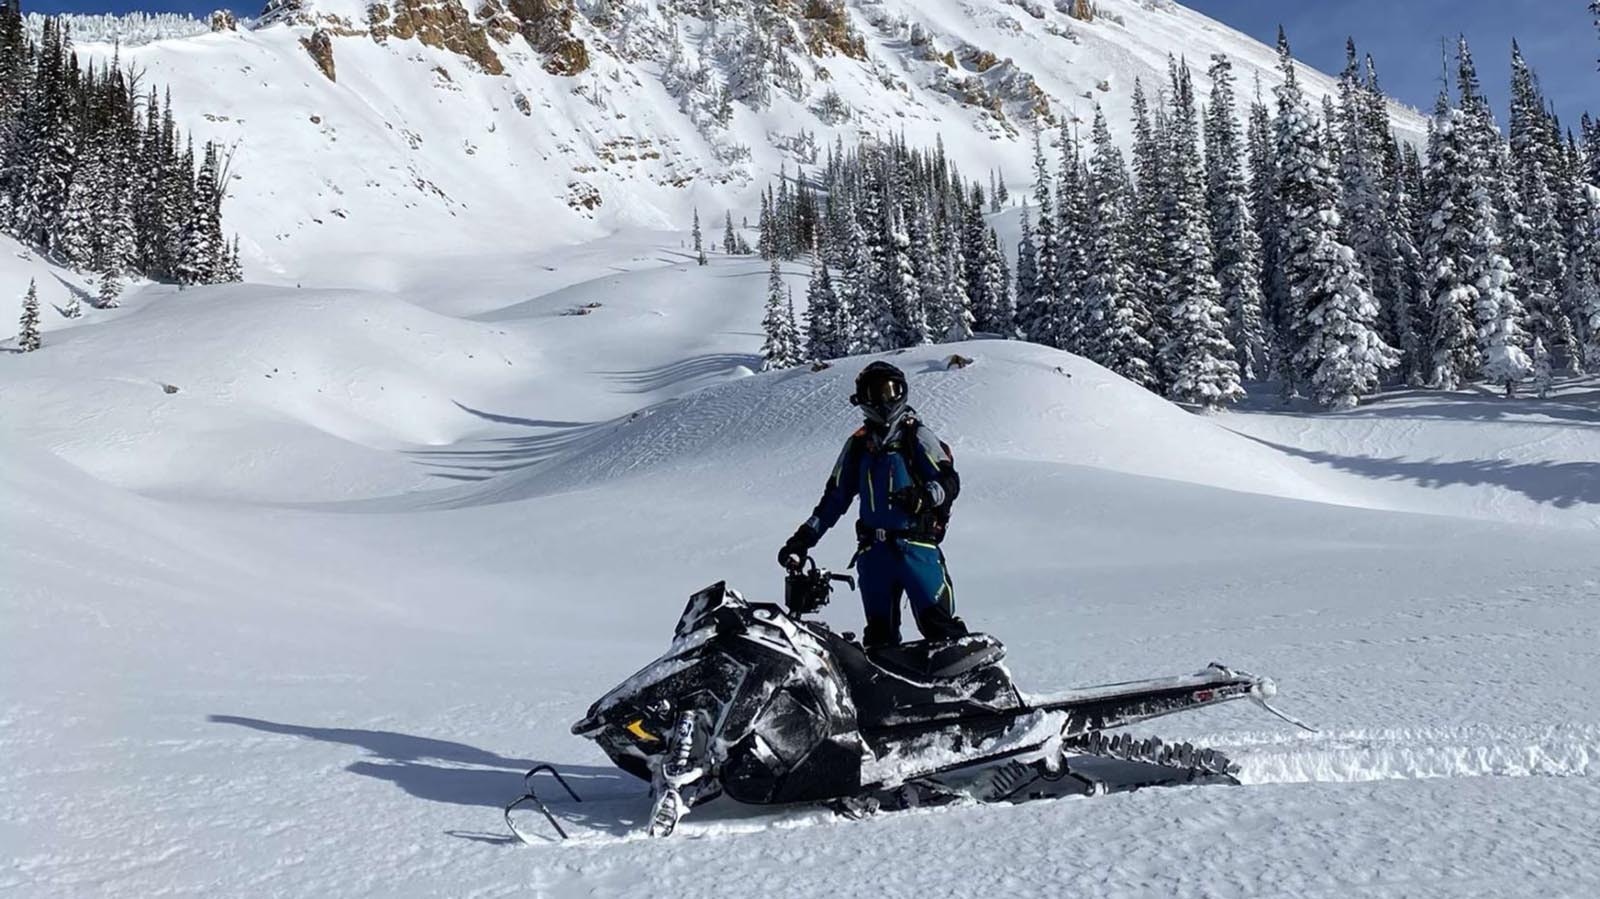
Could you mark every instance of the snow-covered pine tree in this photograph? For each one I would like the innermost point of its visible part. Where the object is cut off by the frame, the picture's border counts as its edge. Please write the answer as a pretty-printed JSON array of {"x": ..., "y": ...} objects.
[
  {"x": 1583, "y": 271},
  {"x": 699, "y": 241},
  {"x": 110, "y": 293},
  {"x": 74, "y": 307},
  {"x": 1072, "y": 232},
  {"x": 1267, "y": 211},
  {"x": 1046, "y": 264},
  {"x": 1392, "y": 258},
  {"x": 825, "y": 325},
  {"x": 1364, "y": 204},
  {"x": 794, "y": 344},
  {"x": 1453, "y": 295},
  {"x": 1543, "y": 373},
  {"x": 28, "y": 332},
  {"x": 957, "y": 318},
  {"x": 1537, "y": 243},
  {"x": 1498, "y": 309},
  {"x": 776, "y": 349},
  {"x": 203, "y": 246},
  {"x": 1151, "y": 227},
  {"x": 856, "y": 279},
  {"x": 1233, "y": 231},
  {"x": 1027, "y": 273},
  {"x": 730, "y": 241},
  {"x": 925, "y": 278},
  {"x": 49, "y": 144},
  {"x": 1115, "y": 328},
  {"x": 234, "y": 272},
  {"x": 767, "y": 242},
  {"x": 1197, "y": 352},
  {"x": 1338, "y": 354}
]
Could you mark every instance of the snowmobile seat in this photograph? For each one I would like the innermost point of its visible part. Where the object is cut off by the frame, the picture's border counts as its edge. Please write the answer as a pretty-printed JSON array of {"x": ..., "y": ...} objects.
[{"x": 934, "y": 660}]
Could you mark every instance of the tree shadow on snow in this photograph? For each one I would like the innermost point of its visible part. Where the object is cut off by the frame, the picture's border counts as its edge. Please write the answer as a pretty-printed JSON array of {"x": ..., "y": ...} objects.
[
  {"x": 438, "y": 770},
  {"x": 1561, "y": 484},
  {"x": 1473, "y": 403}
]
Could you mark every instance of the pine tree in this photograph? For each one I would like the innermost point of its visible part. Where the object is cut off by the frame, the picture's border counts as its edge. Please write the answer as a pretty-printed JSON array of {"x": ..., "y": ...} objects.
[
  {"x": 958, "y": 317},
  {"x": 1537, "y": 243},
  {"x": 1115, "y": 328},
  {"x": 1233, "y": 231},
  {"x": 1072, "y": 234},
  {"x": 792, "y": 343},
  {"x": 1152, "y": 228},
  {"x": 1497, "y": 308},
  {"x": 1453, "y": 296},
  {"x": 74, "y": 307},
  {"x": 110, "y": 290},
  {"x": 1267, "y": 211},
  {"x": 1027, "y": 272},
  {"x": 826, "y": 330},
  {"x": 730, "y": 241},
  {"x": 203, "y": 247},
  {"x": 1543, "y": 373},
  {"x": 1045, "y": 264},
  {"x": 699, "y": 245},
  {"x": 1337, "y": 353},
  {"x": 1197, "y": 351},
  {"x": 28, "y": 334},
  {"x": 1583, "y": 274},
  {"x": 776, "y": 349},
  {"x": 234, "y": 271}
]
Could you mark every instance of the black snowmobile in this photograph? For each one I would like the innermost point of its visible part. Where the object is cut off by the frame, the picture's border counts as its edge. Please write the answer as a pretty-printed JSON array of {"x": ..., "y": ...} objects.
[{"x": 760, "y": 703}]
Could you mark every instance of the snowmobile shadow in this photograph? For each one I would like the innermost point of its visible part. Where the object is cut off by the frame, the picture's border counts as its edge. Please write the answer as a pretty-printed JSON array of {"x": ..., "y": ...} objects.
[{"x": 437, "y": 770}]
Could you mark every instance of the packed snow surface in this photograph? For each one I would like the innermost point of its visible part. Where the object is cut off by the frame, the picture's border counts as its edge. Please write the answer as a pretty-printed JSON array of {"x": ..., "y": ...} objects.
[{"x": 298, "y": 582}]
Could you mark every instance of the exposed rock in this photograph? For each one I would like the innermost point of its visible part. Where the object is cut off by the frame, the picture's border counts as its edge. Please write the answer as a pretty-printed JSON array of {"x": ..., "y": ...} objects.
[
  {"x": 438, "y": 23},
  {"x": 320, "y": 46},
  {"x": 547, "y": 26},
  {"x": 828, "y": 29},
  {"x": 223, "y": 20}
]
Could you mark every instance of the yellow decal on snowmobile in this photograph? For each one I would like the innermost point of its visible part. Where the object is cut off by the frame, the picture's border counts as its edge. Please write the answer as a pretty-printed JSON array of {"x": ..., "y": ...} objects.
[{"x": 636, "y": 727}]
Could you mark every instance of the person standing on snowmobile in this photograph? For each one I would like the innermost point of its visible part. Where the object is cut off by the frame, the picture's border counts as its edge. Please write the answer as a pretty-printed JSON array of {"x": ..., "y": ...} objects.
[{"x": 906, "y": 480}]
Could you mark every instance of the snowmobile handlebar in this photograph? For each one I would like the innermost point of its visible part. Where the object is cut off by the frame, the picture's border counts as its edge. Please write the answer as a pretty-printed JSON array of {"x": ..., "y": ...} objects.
[{"x": 808, "y": 588}]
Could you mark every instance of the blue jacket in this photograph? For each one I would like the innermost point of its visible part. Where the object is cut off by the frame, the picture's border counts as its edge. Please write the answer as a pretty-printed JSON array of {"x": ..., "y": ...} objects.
[{"x": 873, "y": 468}]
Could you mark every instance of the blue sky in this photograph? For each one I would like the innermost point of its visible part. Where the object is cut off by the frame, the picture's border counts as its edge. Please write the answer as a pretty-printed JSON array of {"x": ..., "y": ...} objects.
[{"x": 1556, "y": 35}]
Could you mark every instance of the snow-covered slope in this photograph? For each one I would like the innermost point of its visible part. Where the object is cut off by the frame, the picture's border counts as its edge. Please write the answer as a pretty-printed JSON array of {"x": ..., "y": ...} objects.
[
  {"x": 461, "y": 138},
  {"x": 299, "y": 635}
]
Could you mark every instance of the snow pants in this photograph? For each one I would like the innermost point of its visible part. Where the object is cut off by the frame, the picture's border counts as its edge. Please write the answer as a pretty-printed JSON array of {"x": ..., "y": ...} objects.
[{"x": 894, "y": 569}]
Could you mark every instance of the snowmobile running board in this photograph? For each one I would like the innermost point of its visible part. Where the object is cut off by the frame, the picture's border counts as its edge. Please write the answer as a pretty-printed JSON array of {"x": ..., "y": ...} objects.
[{"x": 532, "y": 798}]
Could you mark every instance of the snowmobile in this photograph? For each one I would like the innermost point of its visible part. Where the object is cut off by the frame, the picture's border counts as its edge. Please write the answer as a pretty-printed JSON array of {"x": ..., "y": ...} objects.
[{"x": 768, "y": 706}]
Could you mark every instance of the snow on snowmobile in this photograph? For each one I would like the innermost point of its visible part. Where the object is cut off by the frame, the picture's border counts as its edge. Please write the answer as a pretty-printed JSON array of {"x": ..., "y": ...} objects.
[{"x": 769, "y": 707}]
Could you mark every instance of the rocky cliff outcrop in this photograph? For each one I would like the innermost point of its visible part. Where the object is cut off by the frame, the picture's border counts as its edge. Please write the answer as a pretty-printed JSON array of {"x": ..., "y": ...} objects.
[
  {"x": 437, "y": 23},
  {"x": 320, "y": 46},
  {"x": 547, "y": 25}
]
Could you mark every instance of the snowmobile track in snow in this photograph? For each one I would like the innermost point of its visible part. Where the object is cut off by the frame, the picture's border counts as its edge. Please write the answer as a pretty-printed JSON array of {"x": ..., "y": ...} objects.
[{"x": 1358, "y": 756}]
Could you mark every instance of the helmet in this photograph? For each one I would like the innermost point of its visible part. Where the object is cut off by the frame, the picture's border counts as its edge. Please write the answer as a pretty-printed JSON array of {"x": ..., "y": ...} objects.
[{"x": 881, "y": 393}]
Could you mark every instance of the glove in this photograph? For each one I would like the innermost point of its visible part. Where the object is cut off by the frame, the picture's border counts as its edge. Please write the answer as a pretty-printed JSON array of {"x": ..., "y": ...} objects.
[
  {"x": 793, "y": 554},
  {"x": 910, "y": 500}
]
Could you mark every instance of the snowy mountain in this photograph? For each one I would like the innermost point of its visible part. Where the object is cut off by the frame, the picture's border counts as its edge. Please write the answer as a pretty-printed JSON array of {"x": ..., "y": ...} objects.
[{"x": 363, "y": 132}]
